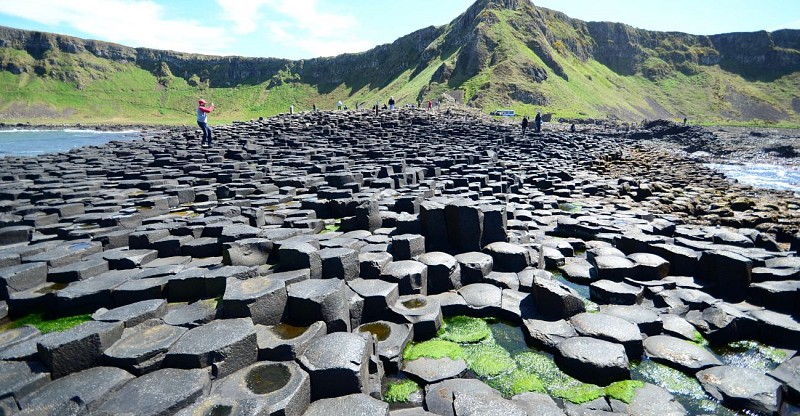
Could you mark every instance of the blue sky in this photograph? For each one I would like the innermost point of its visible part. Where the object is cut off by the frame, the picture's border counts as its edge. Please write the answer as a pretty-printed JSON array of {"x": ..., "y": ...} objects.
[{"x": 299, "y": 29}]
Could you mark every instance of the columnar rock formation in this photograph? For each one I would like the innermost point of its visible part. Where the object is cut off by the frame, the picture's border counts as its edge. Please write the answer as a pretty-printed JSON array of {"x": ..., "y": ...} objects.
[{"x": 286, "y": 268}]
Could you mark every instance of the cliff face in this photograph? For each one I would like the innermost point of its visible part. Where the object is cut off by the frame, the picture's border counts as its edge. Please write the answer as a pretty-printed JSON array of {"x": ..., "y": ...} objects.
[{"x": 512, "y": 47}]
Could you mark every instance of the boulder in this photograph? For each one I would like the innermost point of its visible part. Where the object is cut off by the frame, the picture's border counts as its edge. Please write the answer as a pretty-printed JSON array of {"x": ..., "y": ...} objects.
[
  {"x": 679, "y": 354},
  {"x": 592, "y": 360},
  {"x": 742, "y": 388},
  {"x": 610, "y": 328}
]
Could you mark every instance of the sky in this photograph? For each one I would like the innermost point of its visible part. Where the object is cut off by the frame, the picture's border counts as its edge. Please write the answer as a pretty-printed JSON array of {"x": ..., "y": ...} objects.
[{"x": 301, "y": 29}]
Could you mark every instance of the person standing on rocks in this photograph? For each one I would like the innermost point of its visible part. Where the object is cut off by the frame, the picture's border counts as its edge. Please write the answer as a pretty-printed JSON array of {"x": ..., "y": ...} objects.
[
  {"x": 430, "y": 105},
  {"x": 391, "y": 103},
  {"x": 202, "y": 121},
  {"x": 537, "y": 122},
  {"x": 524, "y": 125},
  {"x": 339, "y": 105}
]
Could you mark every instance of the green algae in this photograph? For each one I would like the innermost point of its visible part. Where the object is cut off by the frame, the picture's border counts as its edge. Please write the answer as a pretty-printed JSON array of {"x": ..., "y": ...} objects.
[
  {"x": 751, "y": 354},
  {"x": 624, "y": 390},
  {"x": 399, "y": 391},
  {"x": 580, "y": 393},
  {"x": 672, "y": 380},
  {"x": 46, "y": 324},
  {"x": 464, "y": 329},
  {"x": 556, "y": 382},
  {"x": 487, "y": 360},
  {"x": 698, "y": 339},
  {"x": 517, "y": 382},
  {"x": 435, "y": 348}
]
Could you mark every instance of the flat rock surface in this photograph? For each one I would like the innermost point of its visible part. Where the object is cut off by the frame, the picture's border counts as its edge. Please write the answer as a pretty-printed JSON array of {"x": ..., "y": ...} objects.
[{"x": 680, "y": 354}]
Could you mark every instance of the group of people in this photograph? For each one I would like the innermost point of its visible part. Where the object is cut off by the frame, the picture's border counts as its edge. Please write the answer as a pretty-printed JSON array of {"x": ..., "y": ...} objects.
[{"x": 537, "y": 123}]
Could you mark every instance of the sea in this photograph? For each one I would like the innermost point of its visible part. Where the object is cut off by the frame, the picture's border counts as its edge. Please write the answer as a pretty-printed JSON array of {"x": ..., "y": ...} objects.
[
  {"x": 761, "y": 175},
  {"x": 30, "y": 142}
]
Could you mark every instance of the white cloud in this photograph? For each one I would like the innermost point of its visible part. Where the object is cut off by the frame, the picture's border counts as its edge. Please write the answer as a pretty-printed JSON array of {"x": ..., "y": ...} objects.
[
  {"x": 243, "y": 13},
  {"x": 129, "y": 22},
  {"x": 301, "y": 24}
]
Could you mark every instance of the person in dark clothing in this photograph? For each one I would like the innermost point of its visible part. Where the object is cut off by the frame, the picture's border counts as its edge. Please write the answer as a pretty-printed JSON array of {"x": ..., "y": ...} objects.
[
  {"x": 685, "y": 120},
  {"x": 524, "y": 125},
  {"x": 537, "y": 122},
  {"x": 202, "y": 121},
  {"x": 572, "y": 128},
  {"x": 391, "y": 103}
]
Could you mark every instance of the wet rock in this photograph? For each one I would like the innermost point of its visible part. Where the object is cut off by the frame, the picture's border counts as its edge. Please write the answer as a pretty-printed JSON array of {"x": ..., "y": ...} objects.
[
  {"x": 338, "y": 364},
  {"x": 788, "y": 373},
  {"x": 593, "y": 360},
  {"x": 440, "y": 397},
  {"x": 160, "y": 392},
  {"x": 742, "y": 388},
  {"x": 547, "y": 334},
  {"x": 679, "y": 354},
  {"x": 652, "y": 400},
  {"x": 268, "y": 388},
  {"x": 284, "y": 342},
  {"x": 432, "y": 370}
]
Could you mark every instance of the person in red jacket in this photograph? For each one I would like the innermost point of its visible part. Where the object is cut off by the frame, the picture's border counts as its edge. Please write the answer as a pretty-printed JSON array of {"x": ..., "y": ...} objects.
[{"x": 202, "y": 121}]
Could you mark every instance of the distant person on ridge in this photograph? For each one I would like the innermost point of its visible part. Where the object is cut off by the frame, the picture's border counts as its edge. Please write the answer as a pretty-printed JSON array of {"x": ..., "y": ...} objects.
[
  {"x": 339, "y": 105},
  {"x": 524, "y": 125},
  {"x": 685, "y": 120},
  {"x": 202, "y": 121},
  {"x": 391, "y": 103},
  {"x": 430, "y": 105},
  {"x": 537, "y": 122}
]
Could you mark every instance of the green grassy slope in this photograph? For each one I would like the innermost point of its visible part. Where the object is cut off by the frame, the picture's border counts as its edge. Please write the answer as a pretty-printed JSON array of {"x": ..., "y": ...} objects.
[{"x": 490, "y": 58}]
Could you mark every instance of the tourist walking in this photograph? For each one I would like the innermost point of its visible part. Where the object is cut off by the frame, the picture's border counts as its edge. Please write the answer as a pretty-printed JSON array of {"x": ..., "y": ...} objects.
[
  {"x": 391, "y": 103},
  {"x": 537, "y": 122},
  {"x": 524, "y": 125},
  {"x": 202, "y": 121}
]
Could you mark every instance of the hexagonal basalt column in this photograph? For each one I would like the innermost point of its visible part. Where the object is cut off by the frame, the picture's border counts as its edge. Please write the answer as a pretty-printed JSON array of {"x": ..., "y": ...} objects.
[
  {"x": 391, "y": 340},
  {"x": 226, "y": 345},
  {"x": 338, "y": 364},
  {"x": 268, "y": 388},
  {"x": 422, "y": 312},
  {"x": 319, "y": 300},
  {"x": 284, "y": 342},
  {"x": 260, "y": 298}
]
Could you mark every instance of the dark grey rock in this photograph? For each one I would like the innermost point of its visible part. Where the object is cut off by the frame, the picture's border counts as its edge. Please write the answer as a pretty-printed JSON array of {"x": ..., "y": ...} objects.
[
  {"x": 78, "y": 348},
  {"x": 135, "y": 313},
  {"x": 14, "y": 336},
  {"x": 77, "y": 271},
  {"x": 678, "y": 327},
  {"x": 679, "y": 354},
  {"x": 788, "y": 373},
  {"x": 620, "y": 293},
  {"x": 89, "y": 386},
  {"x": 649, "y": 266},
  {"x": 475, "y": 266},
  {"x": 439, "y": 397},
  {"x": 21, "y": 277},
  {"x": 777, "y": 329},
  {"x": 340, "y": 263},
  {"x": 555, "y": 300},
  {"x": 464, "y": 225},
  {"x": 90, "y": 294},
  {"x": 444, "y": 272},
  {"x": 424, "y": 313},
  {"x": 407, "y": 246},
  {"x": 371, "y": 264},
  {"x": 390, "y": 341},
  {"x": 338, "y": 364},
  {"x": 742, "y": 388},
  {"x": 613, "y": 267},
  {"x": 142, "y": 349},
  {"x": 592, "y": 360},
  {"x": 648, "y": 320},
  {"x": 268, "y": 388},
  {"x": 483, "y": 403},
  {"x": 19, "y": 379},
  {"x": 315, "y": 300},
  {"x": 226, "y": 345},
  {"x": 247, "y": 252},
  {"x": 299, "y": 255},
  {"x": 539, "y": 404},
  {"x": 483, "y": 298},
  {"x": 610, "y": 328},
  {"x": 192, "y": 315},
  {"x": 547, "y": 334},
  {"x": 577, "y": 270},
  {"x": 508, "y": 257},
  {"x": 652, "y": 400},
  {"x": 357, "y": 404},
  {"x": 262, "y": 299},
  {"x": 731, "y": 273},
  {"x": 411, "y": 276},
  {"x": 284, "y": 342},
  {"x": 432, "y": 370},
  {"x": 161, "y": 392},
  {"x": 378, "y": 295}
]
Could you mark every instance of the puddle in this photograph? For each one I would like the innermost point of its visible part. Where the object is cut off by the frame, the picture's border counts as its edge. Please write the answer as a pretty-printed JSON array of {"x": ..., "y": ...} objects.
[
  {"x": 379, "y": 329},
  {"x": 415, "y": 303},
  {"x": 286, "y": 331},
  {"x": 51, "y": 288},
  {"x": 267, "y": 378},
  {"x": 79, "y": 246}
]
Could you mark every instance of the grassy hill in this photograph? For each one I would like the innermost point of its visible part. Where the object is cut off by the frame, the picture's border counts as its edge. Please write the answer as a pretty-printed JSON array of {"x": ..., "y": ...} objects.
[{"x": 497, "y": 54}]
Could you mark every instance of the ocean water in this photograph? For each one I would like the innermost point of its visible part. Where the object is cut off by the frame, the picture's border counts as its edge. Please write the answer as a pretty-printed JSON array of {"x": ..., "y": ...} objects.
[
  {"x": 761, "y": 175},
  {"x": 20, "y": 142}
]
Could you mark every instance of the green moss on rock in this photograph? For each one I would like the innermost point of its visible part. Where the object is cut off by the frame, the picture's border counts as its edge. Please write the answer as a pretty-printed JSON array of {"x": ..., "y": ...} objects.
[
  {"x": 623, "y": 390},
  {"x": 488, "y": 360},
  {"x": 580, "y": 393},
  {"x": 45, "y": 324},
  {"x": 435, "y": 348},
  {"x": 517, "y": 382},
  {"x": 465, "y": 329},
  {"x": 399, "y": 391}
]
